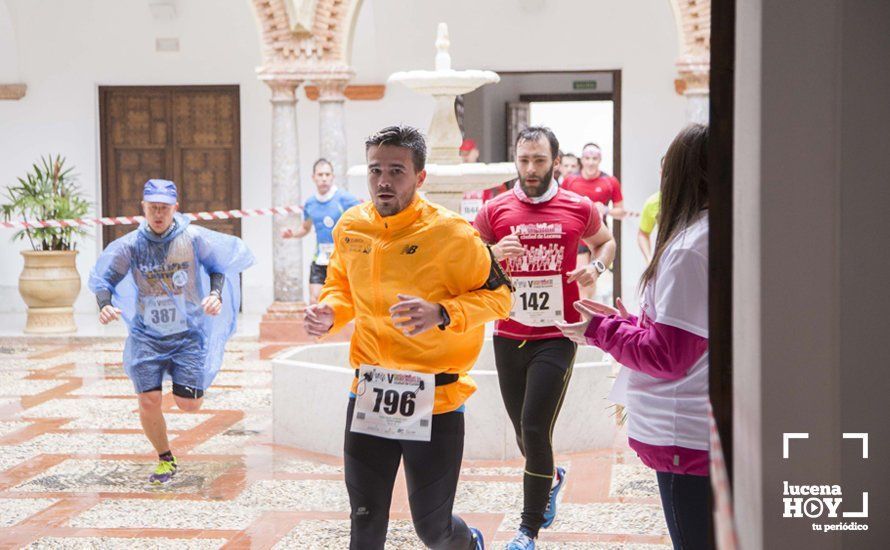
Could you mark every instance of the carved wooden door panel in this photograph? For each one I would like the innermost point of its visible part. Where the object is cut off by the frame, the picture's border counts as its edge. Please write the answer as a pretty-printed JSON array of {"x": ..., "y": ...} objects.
[
  {"x": 189, "y": 134},
  {"x": 206, "y": 160}
]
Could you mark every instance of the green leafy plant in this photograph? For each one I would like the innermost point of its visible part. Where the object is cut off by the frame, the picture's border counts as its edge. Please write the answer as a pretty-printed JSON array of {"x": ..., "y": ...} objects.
[{"x": 49, "y": 191}]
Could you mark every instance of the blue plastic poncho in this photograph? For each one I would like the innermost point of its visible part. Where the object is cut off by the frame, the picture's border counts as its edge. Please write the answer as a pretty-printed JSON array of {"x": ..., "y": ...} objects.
[{"x": 158, "y": 283}]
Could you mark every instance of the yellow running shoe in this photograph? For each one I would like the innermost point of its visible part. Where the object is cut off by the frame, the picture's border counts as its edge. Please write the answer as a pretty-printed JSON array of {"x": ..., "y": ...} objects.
[{"x": 164, "y": 472}]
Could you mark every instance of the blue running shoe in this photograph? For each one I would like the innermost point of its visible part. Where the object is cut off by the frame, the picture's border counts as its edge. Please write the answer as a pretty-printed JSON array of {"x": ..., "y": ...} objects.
[
  {"x": 550, "y": 511},
  {"x": 521, "y": 541},
  {"x": 477, "y": 538}
]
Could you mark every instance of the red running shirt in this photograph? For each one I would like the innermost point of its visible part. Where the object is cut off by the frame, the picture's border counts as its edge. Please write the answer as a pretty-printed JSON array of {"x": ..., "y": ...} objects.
[
  {"x": 550, "y": 232},
  {"x": 604, "y": 188}
]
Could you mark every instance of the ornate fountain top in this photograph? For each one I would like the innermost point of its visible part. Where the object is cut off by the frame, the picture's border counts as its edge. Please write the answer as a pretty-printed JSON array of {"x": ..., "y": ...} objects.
[
  {"x": 444, "y": 80},
  {"x": 443, "y": 58},
  {"x": 447, "y": 178}
]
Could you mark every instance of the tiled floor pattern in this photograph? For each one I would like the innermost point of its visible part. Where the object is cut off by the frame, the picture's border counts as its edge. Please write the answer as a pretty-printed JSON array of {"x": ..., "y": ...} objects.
[{"x": 73, "y": 465}]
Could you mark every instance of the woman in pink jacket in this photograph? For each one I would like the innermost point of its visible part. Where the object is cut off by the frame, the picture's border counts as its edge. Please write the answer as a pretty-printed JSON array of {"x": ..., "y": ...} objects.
[{"x": 664, "y": 351}]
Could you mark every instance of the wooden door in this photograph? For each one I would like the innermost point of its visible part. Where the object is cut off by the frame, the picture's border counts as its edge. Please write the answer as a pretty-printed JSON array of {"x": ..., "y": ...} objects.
[{"x": 188, "y": 134}]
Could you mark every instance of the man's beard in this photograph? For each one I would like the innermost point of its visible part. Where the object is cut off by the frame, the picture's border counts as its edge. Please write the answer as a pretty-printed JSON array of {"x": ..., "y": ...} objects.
[{"x": 541, "y": 189}]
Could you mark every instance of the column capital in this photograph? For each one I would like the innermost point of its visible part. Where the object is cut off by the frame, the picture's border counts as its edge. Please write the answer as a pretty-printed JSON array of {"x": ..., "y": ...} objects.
[
  {"x": 694, "y": 75},
  {"x": 284, "y": 88},
  {"x": 331, "y": 89}
]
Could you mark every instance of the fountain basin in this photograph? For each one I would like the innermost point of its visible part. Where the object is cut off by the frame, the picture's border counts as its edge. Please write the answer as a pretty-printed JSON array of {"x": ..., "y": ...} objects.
[
  {"x": 458, "y": 178},
  {"x": 444, "y": 82},
  {"x": 311, "y": 387}
]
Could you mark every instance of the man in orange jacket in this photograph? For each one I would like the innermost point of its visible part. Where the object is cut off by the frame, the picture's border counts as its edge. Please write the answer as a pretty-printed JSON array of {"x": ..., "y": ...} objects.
[{"x": 420, "y": 285}]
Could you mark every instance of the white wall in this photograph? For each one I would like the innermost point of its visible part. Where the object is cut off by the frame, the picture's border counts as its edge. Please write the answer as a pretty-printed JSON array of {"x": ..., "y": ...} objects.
[
  {"x": 65, "y": 50},
  {"x": 9, "y": 61}
]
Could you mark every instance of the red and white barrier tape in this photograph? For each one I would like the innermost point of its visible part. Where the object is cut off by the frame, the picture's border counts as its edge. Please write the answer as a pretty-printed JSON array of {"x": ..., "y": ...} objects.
[
  {"x": 194, "y": 216},
  {"x": 130, "y": 220}
]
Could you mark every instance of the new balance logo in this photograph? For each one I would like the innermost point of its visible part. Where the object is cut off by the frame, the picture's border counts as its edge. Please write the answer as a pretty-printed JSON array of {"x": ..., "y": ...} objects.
[{"x": 410, "y": 249}]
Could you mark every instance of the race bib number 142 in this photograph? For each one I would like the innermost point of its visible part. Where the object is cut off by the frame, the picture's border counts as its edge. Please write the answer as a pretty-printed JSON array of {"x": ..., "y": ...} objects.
[{"x": 537, "y": 301}]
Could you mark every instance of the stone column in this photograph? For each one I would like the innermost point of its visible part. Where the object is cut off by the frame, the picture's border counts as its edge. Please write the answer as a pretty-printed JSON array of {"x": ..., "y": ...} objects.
[
  {"x": 283, "y": 319},
  {"x": 332, "y": 126},
  {"x": 695, "y": 77}
]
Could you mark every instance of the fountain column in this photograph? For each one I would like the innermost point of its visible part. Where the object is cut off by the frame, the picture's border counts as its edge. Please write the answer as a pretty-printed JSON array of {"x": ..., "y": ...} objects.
[{"x": 447, "y": 178}]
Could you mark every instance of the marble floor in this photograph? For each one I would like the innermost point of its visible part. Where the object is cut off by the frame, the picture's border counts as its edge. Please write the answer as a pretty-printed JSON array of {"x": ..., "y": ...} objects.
[{"x": 73, "y": 465}]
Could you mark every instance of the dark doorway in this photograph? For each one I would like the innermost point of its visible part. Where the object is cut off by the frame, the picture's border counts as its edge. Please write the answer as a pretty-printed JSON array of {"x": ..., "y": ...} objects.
[
  {"x": 720, "y": 191},
  {"x": 188, "y": 134},
  {"x": 608, "y": 139}
]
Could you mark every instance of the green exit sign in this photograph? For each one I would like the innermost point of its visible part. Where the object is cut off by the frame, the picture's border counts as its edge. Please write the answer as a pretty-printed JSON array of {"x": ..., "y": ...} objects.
[{"x": 584, "y": 85}]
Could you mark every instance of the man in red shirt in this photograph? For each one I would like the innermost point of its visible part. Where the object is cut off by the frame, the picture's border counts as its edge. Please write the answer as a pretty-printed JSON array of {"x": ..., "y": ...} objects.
[
  {"x": 601, "y": 188},
  {"x": 569, "y": 165},
  {"x": 595, "y": 184},
  {"x": 537, "y": 227}
]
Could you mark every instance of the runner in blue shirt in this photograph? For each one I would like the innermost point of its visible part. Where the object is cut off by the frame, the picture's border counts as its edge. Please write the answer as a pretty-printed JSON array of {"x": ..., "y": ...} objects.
[{"x": 322, "y": 211}]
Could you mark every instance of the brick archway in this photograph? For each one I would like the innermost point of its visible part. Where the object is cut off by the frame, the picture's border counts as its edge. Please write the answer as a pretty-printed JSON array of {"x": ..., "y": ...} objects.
[
  {"x": 313, "y": 38},
  {"x": 693, "y": 19},
  {"x": 309, "y": 39}
]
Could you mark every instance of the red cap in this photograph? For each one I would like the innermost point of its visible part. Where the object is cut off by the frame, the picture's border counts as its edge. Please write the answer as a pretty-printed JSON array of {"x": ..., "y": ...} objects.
[{"x": 467, "y": 145}]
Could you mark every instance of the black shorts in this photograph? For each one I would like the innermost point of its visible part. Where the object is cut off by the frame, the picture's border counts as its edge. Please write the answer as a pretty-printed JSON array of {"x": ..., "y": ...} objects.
[
  {"x": 317, "y": 274},
  {"x": 583, "y": 249}
]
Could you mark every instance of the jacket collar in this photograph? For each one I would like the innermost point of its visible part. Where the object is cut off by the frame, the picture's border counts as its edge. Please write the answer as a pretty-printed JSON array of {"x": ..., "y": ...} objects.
[{"x": 404, "y": 218}]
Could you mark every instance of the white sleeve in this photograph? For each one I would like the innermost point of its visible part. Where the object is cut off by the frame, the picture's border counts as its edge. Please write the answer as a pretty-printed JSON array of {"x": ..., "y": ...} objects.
[{"x": 681, "y": 291}]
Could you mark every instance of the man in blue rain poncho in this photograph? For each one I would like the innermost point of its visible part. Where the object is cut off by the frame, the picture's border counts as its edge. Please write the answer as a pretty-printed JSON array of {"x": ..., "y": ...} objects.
[{"x": 176, "y": 286}]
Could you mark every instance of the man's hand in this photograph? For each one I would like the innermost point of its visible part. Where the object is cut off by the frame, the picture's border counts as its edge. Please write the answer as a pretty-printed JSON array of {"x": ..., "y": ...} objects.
[
  {"x": 416, "y": 314},
  {"x": 109, "y": 314},
  {"x": 575, "y": 331},
  {"x": 319, "y": 319},
  {"x": 288, "y": 233},
  {"x": 508, "y": 247},
  {"x": 212, "y": 304},
  {"x": 586, "y": 275}
]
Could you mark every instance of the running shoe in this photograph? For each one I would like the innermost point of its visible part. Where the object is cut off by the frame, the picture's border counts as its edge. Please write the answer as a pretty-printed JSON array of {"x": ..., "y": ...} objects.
[
  {"x": 164, "y": 472},
  {"x": 477, "y": 539},
  {"x": 521, "y": 541},
  {"x": 550, "y": 511}
]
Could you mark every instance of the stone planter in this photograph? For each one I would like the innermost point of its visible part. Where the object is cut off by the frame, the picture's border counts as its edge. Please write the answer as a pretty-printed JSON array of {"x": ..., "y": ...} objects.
[{"x": 49, "y": 284}]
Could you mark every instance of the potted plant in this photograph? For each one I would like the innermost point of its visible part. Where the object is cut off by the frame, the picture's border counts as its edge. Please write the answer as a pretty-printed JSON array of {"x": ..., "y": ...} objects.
[{"x": 49, "y": 282}]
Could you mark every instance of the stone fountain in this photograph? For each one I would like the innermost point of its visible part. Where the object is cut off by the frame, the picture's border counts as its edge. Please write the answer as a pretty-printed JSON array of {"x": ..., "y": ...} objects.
[{"x": 447, "y": 178}]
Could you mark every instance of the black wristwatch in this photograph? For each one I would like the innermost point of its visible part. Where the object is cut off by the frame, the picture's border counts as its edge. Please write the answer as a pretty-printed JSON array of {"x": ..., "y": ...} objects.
[{"x": 446, "y": 319}]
